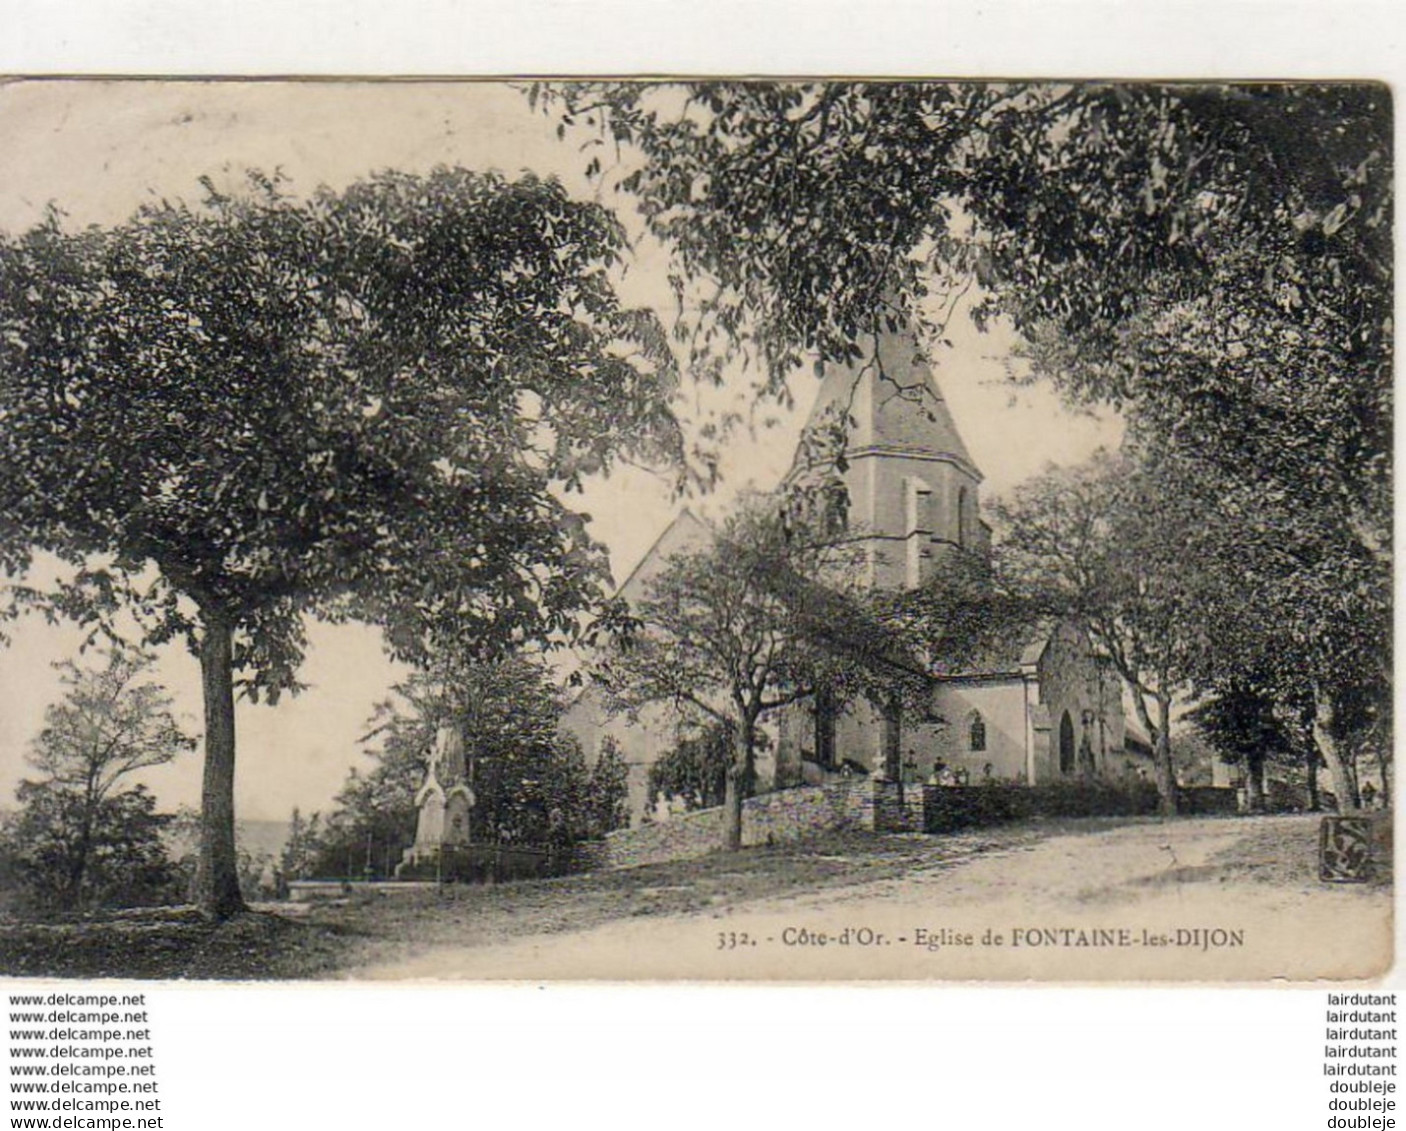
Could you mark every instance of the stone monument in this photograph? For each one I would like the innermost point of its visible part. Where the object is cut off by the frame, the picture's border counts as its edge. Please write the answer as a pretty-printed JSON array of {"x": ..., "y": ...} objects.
[{"x": 444, "y": 801}]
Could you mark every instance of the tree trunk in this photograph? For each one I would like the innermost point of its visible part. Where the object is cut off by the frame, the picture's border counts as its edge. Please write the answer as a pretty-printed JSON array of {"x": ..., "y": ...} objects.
[
  {"x": 736, "y": 788},
  {"x": 1254, "y": 781},
  {"x": 1340, "y": 770},
  {"x": 825, "y": 726},
  {"x": 1310, "y": 774},
  {"x": 1160, "y": 735},
  {"x": 890, "y": 766},
  {"x": 216, "y": 874},
  {"x": 1162, "y": 758},
  {"x": 78, "y": 866}
]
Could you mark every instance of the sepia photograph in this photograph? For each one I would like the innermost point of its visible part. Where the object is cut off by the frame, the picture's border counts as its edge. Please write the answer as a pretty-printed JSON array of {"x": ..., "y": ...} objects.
[{"x": 696, "y": 530}]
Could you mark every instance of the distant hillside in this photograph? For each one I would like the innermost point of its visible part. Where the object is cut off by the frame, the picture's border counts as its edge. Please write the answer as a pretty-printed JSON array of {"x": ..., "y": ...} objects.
[
  {"x": 261, "y": 836},
  {"x": 258, "y": 838}
]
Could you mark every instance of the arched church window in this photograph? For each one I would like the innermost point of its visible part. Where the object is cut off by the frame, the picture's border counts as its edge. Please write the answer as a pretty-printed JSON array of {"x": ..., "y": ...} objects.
[
  {"x": 836, "y": 504},
  {"x": 1066, "y": 744},
  {"x": 963, "y": 518},
  {"x": 976, "y": 732}
]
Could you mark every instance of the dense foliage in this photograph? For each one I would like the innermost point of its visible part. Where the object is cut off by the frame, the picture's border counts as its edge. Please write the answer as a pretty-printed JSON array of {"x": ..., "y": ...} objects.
[
  {"x": 1248, "y": 728},
  {"x": 693, "y": 772},
  {"x": 758, "y": 619},
  {"x": 65, "y": 855},
  {"x": 364, "y": 404},
  {"x": 1217, "y": 256},
  {"x": 85, "y": 836},
  {"x": 531, "y": 783},
  {"x": 1213, "y": 260}
]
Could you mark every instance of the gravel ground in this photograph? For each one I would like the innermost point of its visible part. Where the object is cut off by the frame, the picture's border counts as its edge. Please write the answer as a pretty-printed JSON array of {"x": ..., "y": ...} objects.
[
  {"x": 1204, "y": 899},
  {"x": 1068, "y": 900}
]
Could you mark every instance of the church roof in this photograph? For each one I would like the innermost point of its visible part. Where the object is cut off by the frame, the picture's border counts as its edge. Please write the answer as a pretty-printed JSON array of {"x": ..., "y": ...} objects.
[
  {"x": 1010, "y": 656},
  {"x": 684, "y": 535},
  {"x": 1135, "y": 741},
  {"x": 893, "y": 402}
]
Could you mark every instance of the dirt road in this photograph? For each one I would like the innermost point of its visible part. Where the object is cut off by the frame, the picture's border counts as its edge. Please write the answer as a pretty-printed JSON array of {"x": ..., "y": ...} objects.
[{"x": 1199, "y": 899}]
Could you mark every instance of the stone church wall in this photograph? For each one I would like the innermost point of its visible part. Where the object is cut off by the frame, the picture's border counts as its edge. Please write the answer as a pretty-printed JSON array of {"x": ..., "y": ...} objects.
[
  {"x": 1072, "y": 682},
  {"x": 1001, "y": 707},
  {"x": 794, "y": 814},
  {"x": 912, "y": 508}
]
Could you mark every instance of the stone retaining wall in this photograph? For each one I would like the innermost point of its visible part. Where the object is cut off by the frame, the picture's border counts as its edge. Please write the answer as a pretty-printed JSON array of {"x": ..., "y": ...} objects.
[
  {"x": 879, "y": 806},
  {"x": 773, "y": 818}
]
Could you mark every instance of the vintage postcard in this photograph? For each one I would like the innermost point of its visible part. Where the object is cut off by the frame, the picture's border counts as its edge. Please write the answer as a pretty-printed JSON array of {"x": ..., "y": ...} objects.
[{"x": 696, "y": 530}]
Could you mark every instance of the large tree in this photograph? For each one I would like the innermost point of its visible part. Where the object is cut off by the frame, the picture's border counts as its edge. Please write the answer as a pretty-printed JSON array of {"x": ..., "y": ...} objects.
[
  {"x": 365, "y": 404},
  {"x": 120, "y": 845},
  {"x": 1310, "y": 629},
  {"x": 531, "y": 783},
  {"x": 1295, "y": 611},
  {"x": 750, "y": 624},
  {"x": 1243, "y": 724},
  {"x": 1216, "y": 256},
  {"x": 1200, "y": 587},
  {"x": 1109, "y": 544}
]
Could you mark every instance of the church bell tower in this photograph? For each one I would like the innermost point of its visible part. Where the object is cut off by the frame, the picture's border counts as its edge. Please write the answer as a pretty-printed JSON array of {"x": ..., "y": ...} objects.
[
  {"x": 911, "y": 496},
  {"x": 912, "y": 487}
]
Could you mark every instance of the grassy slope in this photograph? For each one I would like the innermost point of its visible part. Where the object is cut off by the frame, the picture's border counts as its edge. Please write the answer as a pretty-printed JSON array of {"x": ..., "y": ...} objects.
[{"x": 305, "y": 942}]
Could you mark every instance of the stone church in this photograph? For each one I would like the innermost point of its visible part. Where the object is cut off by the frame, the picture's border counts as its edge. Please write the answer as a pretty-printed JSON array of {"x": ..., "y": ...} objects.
[{"x": 1048, "y": 709}]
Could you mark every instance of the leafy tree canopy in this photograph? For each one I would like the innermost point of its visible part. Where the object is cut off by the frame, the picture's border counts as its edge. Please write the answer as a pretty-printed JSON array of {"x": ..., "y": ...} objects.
[
  {"x": 764, "y": 616},
  {"x": 111, "y": 722},
  {"x": 85, "y": 835},
  {"x": 694, "y": 771},
  {"x": 1198, "y": 587},
  {"x": 365, "y": 404},
  {"x": 531, "y": 783},
  {"x": 68, "y": 855},
  {"x": 1215, "y": 258},
  {"x": 351, "y": 405},
  {"x": 1111, "y": 545}
]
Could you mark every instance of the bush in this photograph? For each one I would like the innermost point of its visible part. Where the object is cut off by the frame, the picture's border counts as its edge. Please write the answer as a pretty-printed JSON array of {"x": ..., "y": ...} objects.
[
  {"x": 54, "y": 861},
  {"x": 693, "y": 774},
  {"x": 953, "y": 807}
]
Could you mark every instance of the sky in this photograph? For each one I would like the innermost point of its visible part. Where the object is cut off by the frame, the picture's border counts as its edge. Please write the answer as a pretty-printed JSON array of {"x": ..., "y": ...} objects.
[{"x": 97, "y": 150}]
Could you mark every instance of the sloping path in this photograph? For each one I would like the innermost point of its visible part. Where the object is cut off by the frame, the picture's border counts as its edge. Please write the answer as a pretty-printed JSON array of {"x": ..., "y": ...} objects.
[{"x": 1120, "y": 904}]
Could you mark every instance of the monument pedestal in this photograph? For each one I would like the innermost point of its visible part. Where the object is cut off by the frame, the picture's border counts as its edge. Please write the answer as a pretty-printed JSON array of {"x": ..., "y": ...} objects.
[{"x": 445, "y": 802}]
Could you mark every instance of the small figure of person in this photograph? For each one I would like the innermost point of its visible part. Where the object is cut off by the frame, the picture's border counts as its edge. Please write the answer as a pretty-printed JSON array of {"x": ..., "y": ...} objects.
[
  {"x": 910, "y": 766},
  {"x": 1087, "y": 766}
]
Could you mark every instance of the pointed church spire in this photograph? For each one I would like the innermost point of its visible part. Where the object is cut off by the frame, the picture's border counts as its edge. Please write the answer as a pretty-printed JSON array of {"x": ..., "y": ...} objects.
[
  {"x": 881, "y": 431},
  {"x": 893, "y": 403}
]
